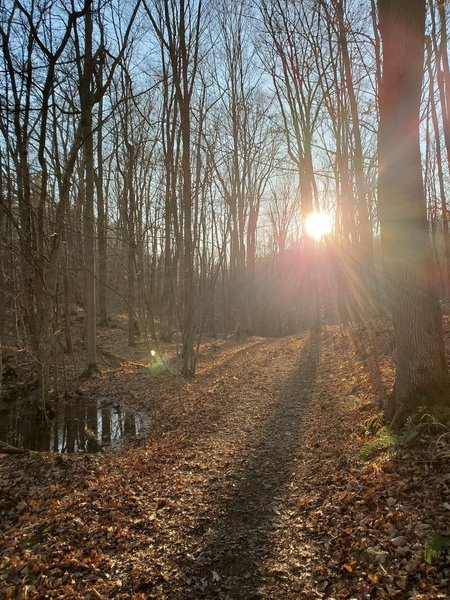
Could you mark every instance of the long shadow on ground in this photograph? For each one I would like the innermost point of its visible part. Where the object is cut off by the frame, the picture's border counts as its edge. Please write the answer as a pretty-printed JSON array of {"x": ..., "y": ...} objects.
[
  {"x": 229, "y": 565},
  {"x": 164, "y": 414}
]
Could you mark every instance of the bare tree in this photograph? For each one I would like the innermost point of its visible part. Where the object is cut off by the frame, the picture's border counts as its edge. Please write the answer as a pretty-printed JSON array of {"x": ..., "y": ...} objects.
[
  {"x": 290, "y": 60},
  {"x": 178, "y": 29},
  {"x": 40, "y": 258}
]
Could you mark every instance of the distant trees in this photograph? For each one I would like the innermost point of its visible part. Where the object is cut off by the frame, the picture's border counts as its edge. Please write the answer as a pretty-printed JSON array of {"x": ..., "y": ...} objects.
[
  {"x": 421, "y": 369},
  {"x": 40, "y": 166},
  {"x": 346, "y": 110},
  {"x": 248, "y": 156},
  {"x": 27, "y": 197},
  {"x": 178, "y": 30},
  {"x": 158, "y": 160}
]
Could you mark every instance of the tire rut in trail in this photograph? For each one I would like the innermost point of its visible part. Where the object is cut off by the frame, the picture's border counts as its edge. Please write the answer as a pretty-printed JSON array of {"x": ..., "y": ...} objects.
[{"x": 233, "y": 550}]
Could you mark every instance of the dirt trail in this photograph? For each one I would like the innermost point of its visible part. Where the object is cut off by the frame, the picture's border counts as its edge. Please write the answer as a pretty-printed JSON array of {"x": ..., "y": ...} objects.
[
  {"x": 264, "y": 433},
  {"x": 232, "y": 485},
  {"x": 254, "y": 491}
]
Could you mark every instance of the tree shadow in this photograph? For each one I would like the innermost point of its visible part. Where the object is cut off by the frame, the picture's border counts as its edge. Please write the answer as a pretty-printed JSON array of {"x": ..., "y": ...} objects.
[
  {"x": 178, "y": 408},
  {"x": 230, "y": 355},
  {"x": 233, "y": 551}
]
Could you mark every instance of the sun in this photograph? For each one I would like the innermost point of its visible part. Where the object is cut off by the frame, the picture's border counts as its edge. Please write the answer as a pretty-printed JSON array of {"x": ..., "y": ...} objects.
[{"x": 318, "y": 224}]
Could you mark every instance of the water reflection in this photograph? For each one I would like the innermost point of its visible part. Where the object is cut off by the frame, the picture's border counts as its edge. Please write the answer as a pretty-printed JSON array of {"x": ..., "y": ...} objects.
[{"x": 81, "y": 424}]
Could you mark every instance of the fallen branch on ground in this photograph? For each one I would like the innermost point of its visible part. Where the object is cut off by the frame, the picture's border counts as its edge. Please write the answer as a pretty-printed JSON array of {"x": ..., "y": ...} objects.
[{"x": 8, "y": 449}]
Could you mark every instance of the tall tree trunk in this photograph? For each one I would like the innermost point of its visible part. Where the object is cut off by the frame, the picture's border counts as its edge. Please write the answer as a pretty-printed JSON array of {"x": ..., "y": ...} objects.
[
  {"x": 102, "y": 224},
  {"x": 187, "y": 258},
  {"x": 443, "y": 83},
  {"x": 366, "y": 271},
  {"x": 131, "y": 209},
  {"x": 188, "y": 51},
  {"x": 2, "y": 282},
  {"x": 421, "y": 369},
  {"x": 89, "y": 216},
  {"x": 440, "y": 171}
]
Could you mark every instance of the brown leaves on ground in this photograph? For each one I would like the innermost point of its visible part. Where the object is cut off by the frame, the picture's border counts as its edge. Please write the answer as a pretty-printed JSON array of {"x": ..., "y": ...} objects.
[{"x": 249, "y": 485}]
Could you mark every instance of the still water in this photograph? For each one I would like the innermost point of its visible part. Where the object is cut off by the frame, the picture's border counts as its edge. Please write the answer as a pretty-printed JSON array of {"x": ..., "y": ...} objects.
[{"x": 80, "y": 424}]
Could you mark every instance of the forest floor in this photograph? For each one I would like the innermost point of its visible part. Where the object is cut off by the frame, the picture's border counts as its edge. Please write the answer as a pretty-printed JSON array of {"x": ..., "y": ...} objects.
[{"x": 249, "y": 483}]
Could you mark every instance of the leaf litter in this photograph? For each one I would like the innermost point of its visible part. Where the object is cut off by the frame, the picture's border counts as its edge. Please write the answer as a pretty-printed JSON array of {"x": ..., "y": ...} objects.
[{"x": 249, "y": 484}]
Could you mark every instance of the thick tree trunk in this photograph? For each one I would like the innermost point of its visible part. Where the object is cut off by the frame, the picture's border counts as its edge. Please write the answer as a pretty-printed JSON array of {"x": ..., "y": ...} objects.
[{"x": 421, "y": 370}]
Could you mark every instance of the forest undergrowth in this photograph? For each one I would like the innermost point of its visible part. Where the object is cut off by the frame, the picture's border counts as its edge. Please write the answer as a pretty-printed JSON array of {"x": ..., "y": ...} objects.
[{"x": 263, "y": 477}]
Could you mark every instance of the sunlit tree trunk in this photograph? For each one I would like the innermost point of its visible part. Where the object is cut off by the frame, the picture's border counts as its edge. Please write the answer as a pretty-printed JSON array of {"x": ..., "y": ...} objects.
[{"x": 365, "y": 273}]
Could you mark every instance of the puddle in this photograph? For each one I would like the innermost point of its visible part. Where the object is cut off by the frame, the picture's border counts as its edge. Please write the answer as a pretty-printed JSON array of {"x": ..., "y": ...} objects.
[{"x": 80, "y": 425}]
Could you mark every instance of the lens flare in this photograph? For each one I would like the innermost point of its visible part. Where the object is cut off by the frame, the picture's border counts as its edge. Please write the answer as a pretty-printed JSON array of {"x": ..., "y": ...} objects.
[{"x": 317, "y": 225}]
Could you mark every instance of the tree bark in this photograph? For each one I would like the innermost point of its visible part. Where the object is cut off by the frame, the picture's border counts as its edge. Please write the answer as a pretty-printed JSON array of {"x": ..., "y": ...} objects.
[
  {"x": 421, "y": 369},
  {"x": 86, "y": 101},
  {"x": 131, "y": 208},
  {"x": 102, "y": 224}
]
